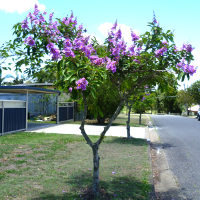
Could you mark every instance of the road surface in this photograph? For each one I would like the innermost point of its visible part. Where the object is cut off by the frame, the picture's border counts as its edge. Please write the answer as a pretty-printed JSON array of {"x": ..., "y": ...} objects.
[{"x": 180, "y": 137}]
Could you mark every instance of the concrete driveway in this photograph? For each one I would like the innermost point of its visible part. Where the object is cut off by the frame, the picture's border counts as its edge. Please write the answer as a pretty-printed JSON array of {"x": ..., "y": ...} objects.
[{"x": 119, "y": 131}]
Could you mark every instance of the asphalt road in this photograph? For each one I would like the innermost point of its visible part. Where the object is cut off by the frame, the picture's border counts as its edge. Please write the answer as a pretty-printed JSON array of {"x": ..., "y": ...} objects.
[{"x": 180, "y": 137}]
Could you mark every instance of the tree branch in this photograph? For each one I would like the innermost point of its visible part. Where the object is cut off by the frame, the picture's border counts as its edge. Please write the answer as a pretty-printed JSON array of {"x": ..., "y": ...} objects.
[{"x": 89, "y": 142}]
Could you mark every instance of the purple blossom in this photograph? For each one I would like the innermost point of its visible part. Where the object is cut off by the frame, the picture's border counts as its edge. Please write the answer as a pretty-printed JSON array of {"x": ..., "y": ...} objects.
[
  {"x": 68, "y": 52},
  {"x": 160, "y": 52},
  {"x": 114, "y": 26},
  {"x": 155, "y": 22},
  {"x": 88, "y": 50},
  {"x": 54, "y": 51},
  {"x": 70, "y": 89},
  {"x": 51, "y": 17},
  {"x": 81, "y": 84},
  {"x": 134, "y": 36},
  {"x": 190, "y": 69},
  {"x": 36, "y": 10},
  {"x": 111, "y": 65},
  {"x": 29, "y": 41},
  {"x": 132, "y": 50},
  {"x": 175, "y": 49},
  {"x": 143, "y": 98},
  {"x": 67, "y": 43},
  {"x": 31, "y": 17},
  {"x": 137, "y": 61},
  {"x": 165, "y": 43},
  {"x": 118, "y": 35},
  {"x": 96, "y": 60},
  {"x": 187, "y": 47},
  {"x": 113, "y": 172},
  {"x": 80, "y": 27},
  {"x": 25, "y": 24},
  {"x": 78, "y": 43},
  {"x": 138, "y": 50}
]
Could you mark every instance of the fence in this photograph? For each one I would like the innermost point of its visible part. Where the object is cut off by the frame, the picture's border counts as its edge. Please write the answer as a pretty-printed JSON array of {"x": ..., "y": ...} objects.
[
  {"x": 13, "y": 116},
  {"x": 65, "y": 111}
]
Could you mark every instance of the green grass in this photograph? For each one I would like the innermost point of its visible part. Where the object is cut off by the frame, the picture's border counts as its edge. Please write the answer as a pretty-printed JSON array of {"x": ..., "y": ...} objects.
[
  {"x": 121, "y": 120},
  {"x": 37, "y": 166}
]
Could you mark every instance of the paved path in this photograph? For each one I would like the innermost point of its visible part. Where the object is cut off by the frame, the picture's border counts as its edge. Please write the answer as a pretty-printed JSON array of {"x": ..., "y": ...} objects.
[
  {"x": 119, "y": 131},
  {"x": 180, "y": 138}
]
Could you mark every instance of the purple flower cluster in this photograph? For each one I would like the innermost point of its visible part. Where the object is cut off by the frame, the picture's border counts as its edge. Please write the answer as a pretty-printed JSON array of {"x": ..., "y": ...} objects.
[
  {"x": 155, "y": 22},
  {"x": 187, "y": 47},
  {"x": 111, "y": 65},
  {"x": 117, "y": 44},
  {"x": 70, "y": 20},
  {"x": 81, "y": 84},
  {"x": 25, "y": 24},
  {"x": 143, "y": 98},
  {"x": 55, "y": 52},
  {"x": 37, "y": 20},
  {"x": 134, "y": 36},
  {"x": 175, "y": 49},
  {"x": 190, "y": 69},
  {"x": 82, "y": 44},
  {"x": 29, "y": 41},
  {"x": 96, "y": 60},
  {"x": 160, "y": 52}
]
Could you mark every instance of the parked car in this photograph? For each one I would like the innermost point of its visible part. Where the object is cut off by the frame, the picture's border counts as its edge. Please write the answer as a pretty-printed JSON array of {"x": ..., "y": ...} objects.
[{"x": 198, "y": 114}]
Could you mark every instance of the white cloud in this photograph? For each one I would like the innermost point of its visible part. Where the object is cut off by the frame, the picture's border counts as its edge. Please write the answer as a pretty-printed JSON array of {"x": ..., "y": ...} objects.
[
  {"x": 19, "y": 6},
  {"x": 126, "y": 30}
]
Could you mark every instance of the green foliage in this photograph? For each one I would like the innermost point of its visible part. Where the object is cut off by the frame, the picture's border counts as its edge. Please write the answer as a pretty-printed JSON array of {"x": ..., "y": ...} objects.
[
  {"x": 105, "y": 102},
  {"x": 184, "y": 98},
  {"x": 194, "y": 92}
]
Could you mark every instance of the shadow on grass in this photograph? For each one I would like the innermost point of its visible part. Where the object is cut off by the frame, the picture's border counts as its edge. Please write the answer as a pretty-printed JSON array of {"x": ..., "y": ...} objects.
[
  {"x": 172, "y": 194},
  {"x": 115, "y": 188},
  {"x": 133, "y": 141}
]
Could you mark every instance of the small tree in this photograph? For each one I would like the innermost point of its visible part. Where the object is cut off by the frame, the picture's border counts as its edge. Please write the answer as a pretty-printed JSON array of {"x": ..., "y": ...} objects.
[
  {"x": 82, "y": 66},
  {"x": 185, "y": 99},
  {"x": 193, "y": 90}
]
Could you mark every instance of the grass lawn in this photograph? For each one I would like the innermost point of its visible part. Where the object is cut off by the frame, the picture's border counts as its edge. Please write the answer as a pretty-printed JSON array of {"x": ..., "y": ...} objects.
[
  {"x": 121, "y": 120},
  {"x": 51, "y": 166}
]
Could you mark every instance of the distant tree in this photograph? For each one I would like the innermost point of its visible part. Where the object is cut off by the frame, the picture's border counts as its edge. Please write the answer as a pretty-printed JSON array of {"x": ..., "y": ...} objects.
[
  {"x": 44, "y": 75},
  {"x": 194, "y": 92},
  {"x": 185, "y": 99}
]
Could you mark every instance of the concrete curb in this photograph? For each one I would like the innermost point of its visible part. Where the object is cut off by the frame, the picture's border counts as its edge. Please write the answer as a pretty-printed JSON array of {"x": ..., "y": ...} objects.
[{"x": 165, "y": 183}]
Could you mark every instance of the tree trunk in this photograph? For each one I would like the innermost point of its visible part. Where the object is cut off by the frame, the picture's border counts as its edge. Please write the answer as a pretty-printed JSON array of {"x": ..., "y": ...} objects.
[
  {"x": 101, "y": 120},
  {"x": 128, "y": 121},
  {"x": 140, "y": 119},
  {"x": 96, "y": 158}
]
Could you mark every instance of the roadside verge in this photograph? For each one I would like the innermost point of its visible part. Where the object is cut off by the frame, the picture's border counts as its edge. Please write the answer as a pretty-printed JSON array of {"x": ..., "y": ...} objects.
[{"x": 165, "y": 183}]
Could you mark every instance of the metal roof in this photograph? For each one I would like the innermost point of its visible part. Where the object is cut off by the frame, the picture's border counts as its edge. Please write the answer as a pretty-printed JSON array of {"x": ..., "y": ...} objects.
[{"x": 24, "y": 89}]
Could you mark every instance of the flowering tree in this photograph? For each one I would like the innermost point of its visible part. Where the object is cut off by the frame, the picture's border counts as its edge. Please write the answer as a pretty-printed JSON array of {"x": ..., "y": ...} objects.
[{"x": 82, "y": 65}]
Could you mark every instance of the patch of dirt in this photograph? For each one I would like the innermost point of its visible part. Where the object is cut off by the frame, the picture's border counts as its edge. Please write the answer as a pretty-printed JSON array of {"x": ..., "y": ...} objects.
[{"x": 88, "y": 194}]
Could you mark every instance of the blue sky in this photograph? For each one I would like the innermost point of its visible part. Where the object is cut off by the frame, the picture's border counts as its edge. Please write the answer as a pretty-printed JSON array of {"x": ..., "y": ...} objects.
[{"x": 181, "y": 16}]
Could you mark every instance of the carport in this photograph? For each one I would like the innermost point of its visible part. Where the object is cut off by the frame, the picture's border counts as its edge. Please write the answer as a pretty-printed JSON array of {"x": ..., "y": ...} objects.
[{"x": 14, "y": 113}]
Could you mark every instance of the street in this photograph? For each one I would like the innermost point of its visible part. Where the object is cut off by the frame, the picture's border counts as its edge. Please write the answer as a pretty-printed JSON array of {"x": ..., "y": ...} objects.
[{"x": 180, "y": 137}]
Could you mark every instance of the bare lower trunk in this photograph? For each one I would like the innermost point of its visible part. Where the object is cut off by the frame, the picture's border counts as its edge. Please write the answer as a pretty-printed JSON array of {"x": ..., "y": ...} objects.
[
  {"x": 96, "y": 158},
  {"x": 95, "y": 146},
  {"x": 140, "y": 119},
  {"x": 128, "y": 121}
]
